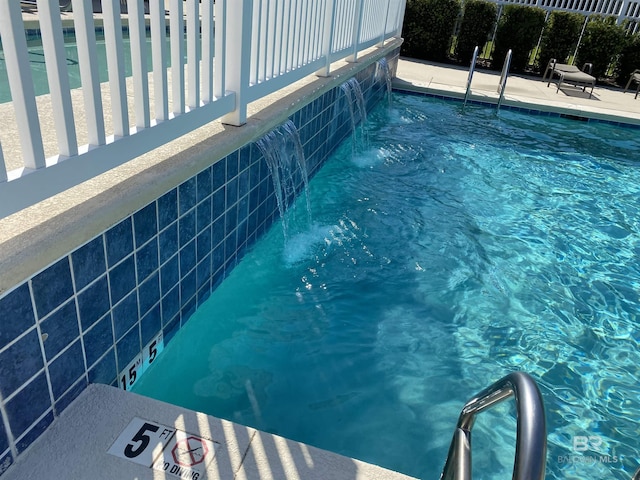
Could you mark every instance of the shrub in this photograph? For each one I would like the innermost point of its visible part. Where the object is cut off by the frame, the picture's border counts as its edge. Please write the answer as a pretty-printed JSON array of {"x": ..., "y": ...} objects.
[
  {"x": 560, "y": 37},
  {"x": 428, "y": 26},
  {"x": 477, "y": 23},
  {"x": 519, "y": 29},
  {"x": 601, "y": 43},
  {"x": 629, "y": 59}
]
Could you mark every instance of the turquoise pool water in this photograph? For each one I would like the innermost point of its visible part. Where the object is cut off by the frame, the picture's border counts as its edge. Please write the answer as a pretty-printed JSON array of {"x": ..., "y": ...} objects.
[{"x": 451, "y": 250}]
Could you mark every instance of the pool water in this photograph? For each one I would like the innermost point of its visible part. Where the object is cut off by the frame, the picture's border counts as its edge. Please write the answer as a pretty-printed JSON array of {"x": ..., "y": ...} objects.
[{"x": 450, "y": 250}]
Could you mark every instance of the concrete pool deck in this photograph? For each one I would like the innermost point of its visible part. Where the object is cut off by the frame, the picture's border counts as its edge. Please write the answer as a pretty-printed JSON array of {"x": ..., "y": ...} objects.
[
  {"x": 90, "y": 440},
  {"x": 524, "y": 91}
]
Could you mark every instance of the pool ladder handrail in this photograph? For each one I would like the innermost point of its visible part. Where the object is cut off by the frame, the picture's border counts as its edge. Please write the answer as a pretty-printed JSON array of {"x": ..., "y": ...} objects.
[
  {"x": 531, "y": 434},
  {"x": 472, "y": 69},
  {"x": 502, "y": 85}
]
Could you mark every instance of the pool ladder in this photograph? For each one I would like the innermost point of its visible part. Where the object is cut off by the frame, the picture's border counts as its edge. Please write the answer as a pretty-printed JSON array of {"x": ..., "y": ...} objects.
[{"x": 531, "y": 436}]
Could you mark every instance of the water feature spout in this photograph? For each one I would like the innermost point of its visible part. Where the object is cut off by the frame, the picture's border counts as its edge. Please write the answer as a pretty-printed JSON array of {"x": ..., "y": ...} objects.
[
  {"x": 283, "y": 152},
  {"x": 357, "y": 108},
  {"x": 384, "y": 72}
]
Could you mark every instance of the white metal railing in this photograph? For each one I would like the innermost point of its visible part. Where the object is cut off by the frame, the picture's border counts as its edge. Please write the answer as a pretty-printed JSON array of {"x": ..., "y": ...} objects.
[
  {"x": 622, "y": 9},
  {"x": 256, "y": 48}
]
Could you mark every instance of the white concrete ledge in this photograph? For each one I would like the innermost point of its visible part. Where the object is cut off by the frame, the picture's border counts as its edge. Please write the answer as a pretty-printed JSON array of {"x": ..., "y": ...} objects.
[{"x": 76, "y": 446}]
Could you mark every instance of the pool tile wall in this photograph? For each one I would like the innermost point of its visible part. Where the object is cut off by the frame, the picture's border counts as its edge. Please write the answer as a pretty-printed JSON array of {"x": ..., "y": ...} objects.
[{"x": 85, "y": 317}]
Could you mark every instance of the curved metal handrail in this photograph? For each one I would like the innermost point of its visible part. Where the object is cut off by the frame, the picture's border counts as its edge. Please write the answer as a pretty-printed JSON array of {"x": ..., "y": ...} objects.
[
  {"x": 472, "y": 69},
  {"x": 503, "y": 78},
  {"x": 531, "y": 435}
]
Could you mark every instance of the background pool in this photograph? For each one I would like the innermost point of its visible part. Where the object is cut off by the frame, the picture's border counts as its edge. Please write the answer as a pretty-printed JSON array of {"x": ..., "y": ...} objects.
[{"x": 450, "y": 250}]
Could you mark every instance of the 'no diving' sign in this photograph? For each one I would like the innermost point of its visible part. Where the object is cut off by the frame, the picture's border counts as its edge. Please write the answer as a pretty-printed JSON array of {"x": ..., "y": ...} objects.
[{"x": 165, "y": 449}]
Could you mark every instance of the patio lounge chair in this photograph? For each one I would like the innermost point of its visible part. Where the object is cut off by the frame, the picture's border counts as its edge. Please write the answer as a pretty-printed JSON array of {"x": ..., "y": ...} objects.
[
  {"x": 570, "y": 74},
  {"x": 635, "y": 77}
]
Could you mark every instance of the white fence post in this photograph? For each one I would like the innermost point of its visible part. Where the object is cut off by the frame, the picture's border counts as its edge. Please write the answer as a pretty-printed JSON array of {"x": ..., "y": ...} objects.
[
  {"x": 138, "y": 36},
  {"x": 357, "y": 27},
  {"x": 89, "y": 75},
  {"x": 14, "y": 45},
  {"x": 207, "y": 50},
  {"x": 176, "y": 27},
  {"x": 158, "y": 57},
  {"x": 58, "y": 77},
  {"x": 239, "y": 13},
  {"x": 193, "y": 53},
  {"x": 220, "y": 31},
  {"x": 115, "y": 65},
  {"x": 327, "y": 38}
]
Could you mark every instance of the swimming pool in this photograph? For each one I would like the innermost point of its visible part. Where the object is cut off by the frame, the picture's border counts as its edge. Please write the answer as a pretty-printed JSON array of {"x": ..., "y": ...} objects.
[{"x": 453, "y": 249}]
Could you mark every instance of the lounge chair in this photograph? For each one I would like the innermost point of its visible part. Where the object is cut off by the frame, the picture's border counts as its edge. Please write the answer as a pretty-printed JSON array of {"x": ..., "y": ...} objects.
[
  {"x": 570, "y": 74},
  {"x": 635, "y": 77}
]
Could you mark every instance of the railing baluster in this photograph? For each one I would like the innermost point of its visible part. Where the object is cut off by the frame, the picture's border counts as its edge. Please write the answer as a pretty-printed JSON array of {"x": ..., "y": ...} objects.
[
  {"x": 220, "y": 60},
  {"x": 58, "y": 77},
  {"x": 89, "y": 75},
  {"x": 138, "y": 37},
  {"x": 357, "y": 26},
  {"x": 327, "y": 36},
  {"x": 115, "y": 65},
  {"x": 3, "y": 167},
  {"x": 158, "y": 58},
  {"x": 14, "y": 46},
  {"x": 207, "y": 51},
  {"x": 177, "y": 55},
  {"x": 193, "y": 52}
]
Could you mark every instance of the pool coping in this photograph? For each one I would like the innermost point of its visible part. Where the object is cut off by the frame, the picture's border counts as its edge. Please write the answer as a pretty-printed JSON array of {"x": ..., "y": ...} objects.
[{"x": 76, "y": 446}]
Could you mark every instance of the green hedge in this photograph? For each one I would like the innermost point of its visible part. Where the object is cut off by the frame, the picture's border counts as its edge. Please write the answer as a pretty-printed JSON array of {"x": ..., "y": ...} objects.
[
  {"x": 428, "y": 26},
  {"x": 629, "y": 60},
  {"x": 519, "y": 29},
  {"x": 560, "y": 37},
  {"x": 477, "y": 24},
  {"x": 601, "y": 43}
]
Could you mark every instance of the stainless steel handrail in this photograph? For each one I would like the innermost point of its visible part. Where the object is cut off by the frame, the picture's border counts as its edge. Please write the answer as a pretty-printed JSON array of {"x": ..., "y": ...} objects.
[
  {"x": 503, "y": 78},
  {"x": 472, "y": 69},
  {"x": 531, "y": 434}
]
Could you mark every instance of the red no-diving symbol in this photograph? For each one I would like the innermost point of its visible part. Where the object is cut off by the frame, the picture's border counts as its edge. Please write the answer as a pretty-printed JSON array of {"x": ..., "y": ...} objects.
[{"x": 189, "y": 451}]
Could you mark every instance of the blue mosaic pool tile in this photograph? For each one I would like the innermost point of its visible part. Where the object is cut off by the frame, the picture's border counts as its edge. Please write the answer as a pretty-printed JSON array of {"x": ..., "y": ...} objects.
[
  {"x": 187, "y": 258},
  {"x": 150, "y": 324},
  {"x": 35, "y": 431},
  {"x": 187, "y": 228},
  {"x": 188, "y": 287},
  {"x": 203, "y": 272},
  {"x": 122, "y": 280},
  {"x": 170, "y": 305},
  {"x": 204, "y": 181},
  {"x": 170, "y": 329},
  {"x": 244, "y": 157},
  {"x": 232, "y": 191},
  {"x": 243, "y": 208},
  {"x": 233, "y": 162},
  {"x": 28, "y": 405},
  {"x": 219, "y": 174},
  {"x": 203, "y": 247},
  {"x": 188, "y": 310},
  {"x": 61, "y": 328},
  {"x": 217, "y": 231},
  {"x": 20, "y": 362},
  {"x": 167, "y": 208},
  {"x": 93, "y": 302},
  {"x": 203, "y": 294},
  {"x": 98, "y": 340},
  {"x": 69, "y": 396},
  {"x": 105, "y": 370},
  {"x": 169, "y": 275},
  {"x": 16, "y": 313},
  {"x": 125, "y": 315},
  {"x": 88, "y": 262},
  {"x": 219, "y": 199},
  {"x": 147, "y": 260},
  {"x": 4, "y": 440},
  {"x": 168, "y": 242},
  {"x": 149, "y": 293},
  {"x": 128, "y": 347},
  {"x": 119, "y": 241},
  {"x": 203, "y": 215},
  {"x": 52, "y": 287},
  {"x": 6, "y": 461},
  {"x": 231, "y": 219},
  {"x": 187, "y": 195},
  {"x": 65, "y": 370},
  {"x": 145, "y": 224}
]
